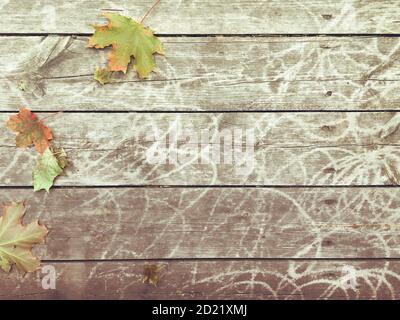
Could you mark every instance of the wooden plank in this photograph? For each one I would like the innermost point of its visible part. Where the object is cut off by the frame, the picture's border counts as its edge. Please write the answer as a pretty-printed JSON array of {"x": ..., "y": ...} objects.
[
  {"x": 207, "y": 16},
  {"x": 154, "y": 223},
  {"x": 374, "y": 279},
  {"x": 288, "y": 149},
  {"x": 209, "y": 74}
]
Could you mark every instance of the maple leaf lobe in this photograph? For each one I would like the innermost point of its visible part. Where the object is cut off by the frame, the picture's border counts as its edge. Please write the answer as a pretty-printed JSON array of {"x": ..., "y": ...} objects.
[
  {"x": 128, "y": 38},
  {"x": 30, "y": 130}
]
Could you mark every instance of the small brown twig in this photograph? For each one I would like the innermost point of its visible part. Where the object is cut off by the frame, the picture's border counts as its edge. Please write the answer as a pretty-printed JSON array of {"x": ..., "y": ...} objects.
[
  {"x": 151, "y": 9},
  {"x": 51, "y": 115}
]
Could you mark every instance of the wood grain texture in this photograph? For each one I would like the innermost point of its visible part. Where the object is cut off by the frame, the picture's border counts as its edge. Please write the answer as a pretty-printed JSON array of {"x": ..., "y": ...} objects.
[
  {"x": 154, "y": 223},
  {"x": 289, "y": 149},
  {"x": 208, "y": 74},
  {"x": 292, "y": 240},
  {"x": 212, "y": 280},
  {"x": 207, "y": 16}
]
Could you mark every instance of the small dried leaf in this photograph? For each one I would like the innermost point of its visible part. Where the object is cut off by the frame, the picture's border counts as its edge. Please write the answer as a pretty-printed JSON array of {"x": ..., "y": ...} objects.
[
  {"x": 152, "y": 274},
  {"x": 103, "y": 76},
  {"x": 61, "y": 156}
]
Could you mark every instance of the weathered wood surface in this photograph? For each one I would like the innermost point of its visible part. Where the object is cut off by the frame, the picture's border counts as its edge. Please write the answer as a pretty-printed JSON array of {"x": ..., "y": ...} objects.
[
  {"x": 213, "y": 280},
  {"x": 207, "y": 16},
  {"x": 272, "y": 240},
  {"x": 209, "y": 74},
  {"x": 153, "y": 223},
  {"x": 289, "y": 149}
]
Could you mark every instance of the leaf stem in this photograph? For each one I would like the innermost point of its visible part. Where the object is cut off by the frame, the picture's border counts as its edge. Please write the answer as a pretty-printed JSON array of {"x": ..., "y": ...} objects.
[
  {"x": 150, "y": 10},
  {"x": 51, "y": 115}
]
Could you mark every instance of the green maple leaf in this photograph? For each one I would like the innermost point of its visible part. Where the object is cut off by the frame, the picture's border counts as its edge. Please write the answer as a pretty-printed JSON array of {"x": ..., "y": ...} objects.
[
  {"x": 17, "y": 240},
  {"x": 128, "y": 38},
  {"x": 50, "y": 165}
]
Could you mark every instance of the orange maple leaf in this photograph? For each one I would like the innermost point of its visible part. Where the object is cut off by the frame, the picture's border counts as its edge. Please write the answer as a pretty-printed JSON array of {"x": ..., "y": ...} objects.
[{"x": 30, "y": 130}]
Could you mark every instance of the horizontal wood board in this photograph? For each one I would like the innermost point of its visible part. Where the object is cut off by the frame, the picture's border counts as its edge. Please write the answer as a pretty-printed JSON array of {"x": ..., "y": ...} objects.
[
  {"x": 206, "y": 74},
  {"x": 211, "y": 280},
  {"x": 238, "y": 17},
  {"x": 160, "y": 223}
]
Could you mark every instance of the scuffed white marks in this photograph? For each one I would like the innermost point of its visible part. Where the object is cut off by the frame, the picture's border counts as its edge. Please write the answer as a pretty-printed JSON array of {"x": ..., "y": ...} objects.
[
  {"x": 119, "y": 7},
  {"x": 328, "y": 62},
  {"x": 151, "y": 223},
  {"x": 390, "y": 127},
  {"x": 3, "y": 3},
  {"x": 244, "y": 223},
  {"x": 234, "y": 17},
  {"x": 212, "y": 223},
  {"x": 341, "y": 151},
  {"x": 376, "y": 281},
  {"x": 345, "y": 20},
  {"x": 49, "y": 18},
  {"x": 346, "y": 16},
  {"x": 301, "y": 280}
]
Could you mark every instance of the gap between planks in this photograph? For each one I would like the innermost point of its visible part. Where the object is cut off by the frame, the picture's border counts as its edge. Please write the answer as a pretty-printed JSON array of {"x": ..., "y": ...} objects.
[
  {"x": 201, "y": 111},
  {"x": 161, "y": 260},
  {"x": 216, "y": 186},
  {"x": 215, "y": 35}
]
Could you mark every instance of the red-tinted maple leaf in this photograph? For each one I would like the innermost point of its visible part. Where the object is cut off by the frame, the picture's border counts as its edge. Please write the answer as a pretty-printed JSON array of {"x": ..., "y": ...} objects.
[{"x": 30, "y": 130}]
